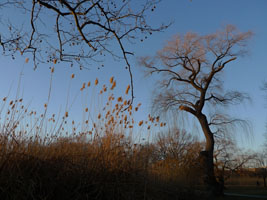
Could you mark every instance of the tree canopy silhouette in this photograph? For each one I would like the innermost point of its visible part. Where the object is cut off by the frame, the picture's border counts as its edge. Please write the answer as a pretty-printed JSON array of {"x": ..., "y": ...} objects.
[
  {"x": 75, "y": 31},
  {"x": 190, "y": 67}
]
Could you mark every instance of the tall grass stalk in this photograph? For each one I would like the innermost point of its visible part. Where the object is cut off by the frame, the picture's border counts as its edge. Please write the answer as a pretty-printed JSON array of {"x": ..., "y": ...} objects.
[{"x": 54, "y": 157}]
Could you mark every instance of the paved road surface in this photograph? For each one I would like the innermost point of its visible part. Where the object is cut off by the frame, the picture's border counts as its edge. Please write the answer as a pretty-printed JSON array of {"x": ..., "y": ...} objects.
[{"x": 245, "y": 195}]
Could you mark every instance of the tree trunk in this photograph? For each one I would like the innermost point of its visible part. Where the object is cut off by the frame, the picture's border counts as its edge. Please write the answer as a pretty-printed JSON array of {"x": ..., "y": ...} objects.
[{"x": 206, "y": 158}]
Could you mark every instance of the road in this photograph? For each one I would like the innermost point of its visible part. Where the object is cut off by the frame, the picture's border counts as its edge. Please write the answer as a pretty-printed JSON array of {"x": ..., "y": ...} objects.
[{"x": 246, "y": 195}]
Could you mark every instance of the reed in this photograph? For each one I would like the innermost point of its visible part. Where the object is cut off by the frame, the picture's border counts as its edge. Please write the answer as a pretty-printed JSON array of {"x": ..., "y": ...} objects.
[{"x": 51, "y": 157}]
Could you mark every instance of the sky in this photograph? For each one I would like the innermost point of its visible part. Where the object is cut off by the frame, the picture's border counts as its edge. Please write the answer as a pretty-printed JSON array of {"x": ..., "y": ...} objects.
[{"x": 246, "y": 74}]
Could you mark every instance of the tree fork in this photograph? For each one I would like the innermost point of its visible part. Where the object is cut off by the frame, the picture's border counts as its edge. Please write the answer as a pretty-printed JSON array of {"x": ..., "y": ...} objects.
[{"x": 191, "y": 66}]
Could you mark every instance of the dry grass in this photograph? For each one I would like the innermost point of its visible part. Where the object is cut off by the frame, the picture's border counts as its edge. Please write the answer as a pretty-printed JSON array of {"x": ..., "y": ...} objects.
[
  {"x": 51, "y": 157},
  {"x": 106, "y": 155},
  {"x": 244, "y": 180}
]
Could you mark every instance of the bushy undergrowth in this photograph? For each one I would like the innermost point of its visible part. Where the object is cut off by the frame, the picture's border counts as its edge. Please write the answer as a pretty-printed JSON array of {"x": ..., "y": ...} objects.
[
  {"x": 104, "y": 169},
  {"x": 101, "y": 161}
]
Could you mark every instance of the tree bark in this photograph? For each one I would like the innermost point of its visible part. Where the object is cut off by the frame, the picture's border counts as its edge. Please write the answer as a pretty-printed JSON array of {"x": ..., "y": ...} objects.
[{"x": 206, "y": 158}]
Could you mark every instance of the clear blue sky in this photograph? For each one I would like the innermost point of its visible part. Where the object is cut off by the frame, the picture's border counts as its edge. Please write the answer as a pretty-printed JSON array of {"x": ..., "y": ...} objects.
[{"x": 203, "y": 17}]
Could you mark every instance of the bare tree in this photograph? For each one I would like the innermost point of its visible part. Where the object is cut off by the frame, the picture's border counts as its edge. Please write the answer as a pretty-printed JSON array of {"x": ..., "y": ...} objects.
[
  {"x": 177, "y": 155},
  {"x": 261, "y": 157},
  {"x": 261, "y": 166},
  {"x": 229, "y": 159},
  {"x": 179, "y": 145},
  {"x": 76, "y": 31},
  {"x": 190, "y": 68}
]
